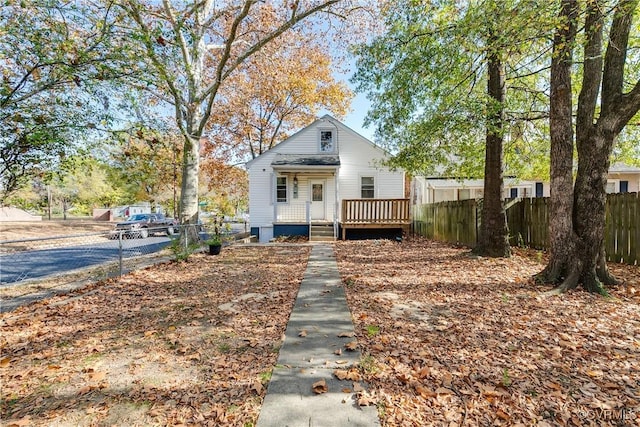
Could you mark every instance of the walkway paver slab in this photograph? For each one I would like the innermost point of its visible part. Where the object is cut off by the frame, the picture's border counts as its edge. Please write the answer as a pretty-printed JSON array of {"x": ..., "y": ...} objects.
[{"x": 320, "y": 324}]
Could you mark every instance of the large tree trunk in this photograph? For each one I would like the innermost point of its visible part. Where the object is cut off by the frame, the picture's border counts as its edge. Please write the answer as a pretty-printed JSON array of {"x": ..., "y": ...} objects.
[
  {"x": 581, "y": 259},
  {"x": 493, "y": 239},
  {"x": 562, "y": 239},
  {"x": 189, "y": 189},
  {"x": 590, "y": 204}
]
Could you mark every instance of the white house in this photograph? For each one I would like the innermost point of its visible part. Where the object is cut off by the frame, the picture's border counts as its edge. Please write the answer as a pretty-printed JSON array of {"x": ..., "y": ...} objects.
[
  {"x": 434, "y": 189},
  {"x": 320, "y": 182},
  {"x": 621, "y": 179}
]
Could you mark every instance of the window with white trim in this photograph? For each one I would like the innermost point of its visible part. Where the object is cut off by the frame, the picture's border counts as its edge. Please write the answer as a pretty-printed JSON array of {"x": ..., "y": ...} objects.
[
  {"x": 367, "y": 188},
  {"x": 464, "y": 194},
  {"x": 281, "y": 189},
  {"x": 327, "y": 143},
  {"x": 624, "y": 186}
]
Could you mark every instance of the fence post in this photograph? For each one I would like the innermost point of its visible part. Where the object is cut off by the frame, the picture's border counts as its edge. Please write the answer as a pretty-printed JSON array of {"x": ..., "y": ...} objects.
[{"x": 120, "y": 252}]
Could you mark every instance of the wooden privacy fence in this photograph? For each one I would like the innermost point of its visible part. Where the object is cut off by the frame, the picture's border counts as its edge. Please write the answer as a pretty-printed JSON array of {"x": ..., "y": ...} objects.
[
  {"x": 454, "y": 222},
  {"x": 622, "y": 229},
  {"x": 528, "y": 219}
]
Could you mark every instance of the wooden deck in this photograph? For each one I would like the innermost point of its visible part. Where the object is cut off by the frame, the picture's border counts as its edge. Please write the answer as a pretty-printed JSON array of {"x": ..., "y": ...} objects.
[{"x": 374, "y": 214}]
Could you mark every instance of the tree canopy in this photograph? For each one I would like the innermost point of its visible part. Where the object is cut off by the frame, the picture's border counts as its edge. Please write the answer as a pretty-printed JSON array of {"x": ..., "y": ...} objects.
[
  {"x": 426, "y": 77},
  {"x": 193, "y": 48},
  {"x": 75, "y": 70},
  {"x": 57, "y": 58},
  {"x": 274, "y": 93}
]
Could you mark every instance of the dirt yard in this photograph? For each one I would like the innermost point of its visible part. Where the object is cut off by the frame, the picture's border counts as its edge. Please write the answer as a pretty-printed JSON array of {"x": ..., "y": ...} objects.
[
  {"x": 450, "y": 339},
  {"x": 35, "y": 229},
  {"x": 189, "y": 343},
  {"x": 447, "y": 339}
]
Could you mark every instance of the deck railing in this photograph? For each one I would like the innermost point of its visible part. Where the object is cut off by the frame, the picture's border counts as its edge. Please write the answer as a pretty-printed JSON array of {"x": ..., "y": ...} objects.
[{"x": 375, "y": 211}]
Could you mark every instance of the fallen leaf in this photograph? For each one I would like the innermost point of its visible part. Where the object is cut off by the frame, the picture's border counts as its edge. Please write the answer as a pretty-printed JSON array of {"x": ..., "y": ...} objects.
[
  {"x": 423, "y": 373},
  {"x": 442, "y": 390},
  {"x": 364, "y": 400},
  {"x": 447, "y": 378},
  {"x": 86, "y": 389},
  {"x": 257, "y": 387},
  {"x": 501, "y": 414},
  {"x": 302, "y": 333},
  {"x": 340, "y": 374},
  {"x": 424, "y": 392},
  {"x": 24, "y": 421},
  {"x": 351, "y": 346},
  {"x": 97, "y": 376},
  {"x": 346, "y": 334},
  {"x": 351, "y": 374},
  {"x": 320, "y": 387},
  {"x": 4, "y": 362}
]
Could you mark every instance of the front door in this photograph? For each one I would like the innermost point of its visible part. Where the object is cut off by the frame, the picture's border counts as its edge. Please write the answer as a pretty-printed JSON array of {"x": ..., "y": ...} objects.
[{"x": 317, "y": 200}]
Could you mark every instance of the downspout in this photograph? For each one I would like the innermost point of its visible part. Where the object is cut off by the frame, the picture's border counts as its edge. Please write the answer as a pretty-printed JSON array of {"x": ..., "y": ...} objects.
[
  {"x": 336, "y": 206},
  {"x": 274, "y": 198},
  {"x": 308, "y": 218}
]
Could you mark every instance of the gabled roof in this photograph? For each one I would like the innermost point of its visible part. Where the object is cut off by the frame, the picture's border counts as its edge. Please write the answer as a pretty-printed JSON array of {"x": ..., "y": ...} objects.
[{"x": 318, "y": 122}]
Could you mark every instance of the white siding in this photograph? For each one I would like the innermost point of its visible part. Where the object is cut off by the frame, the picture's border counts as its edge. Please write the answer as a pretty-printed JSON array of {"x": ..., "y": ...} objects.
[
  {"x": 260, "y": 192},
  {"x": 632, "y": 178},
  {"x": 358, "y": 158},
  {"x": 304, "y": 142}
]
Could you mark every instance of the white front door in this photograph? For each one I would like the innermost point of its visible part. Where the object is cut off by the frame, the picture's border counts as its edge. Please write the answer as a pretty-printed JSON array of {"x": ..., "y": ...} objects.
[{"x": 318, "y": 207}]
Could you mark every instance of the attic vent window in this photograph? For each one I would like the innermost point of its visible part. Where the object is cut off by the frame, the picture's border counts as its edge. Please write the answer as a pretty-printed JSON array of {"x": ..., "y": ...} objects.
[{"x": 327, "y": 144}]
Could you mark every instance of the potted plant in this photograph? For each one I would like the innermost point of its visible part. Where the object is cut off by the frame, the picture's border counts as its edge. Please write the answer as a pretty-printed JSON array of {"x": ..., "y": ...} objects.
[
  {"x": 215, "y": 244},
  {"x": 215, "y": 240}
]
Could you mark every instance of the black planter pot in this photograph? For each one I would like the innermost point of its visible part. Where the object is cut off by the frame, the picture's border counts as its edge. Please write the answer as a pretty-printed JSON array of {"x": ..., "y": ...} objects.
[{"x": 214, "y": 249}]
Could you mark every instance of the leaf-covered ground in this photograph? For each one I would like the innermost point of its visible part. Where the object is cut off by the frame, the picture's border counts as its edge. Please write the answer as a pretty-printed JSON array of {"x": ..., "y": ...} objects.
[
  {"x": 449, "y": 339},
  {"x": 177, "y": 344}
]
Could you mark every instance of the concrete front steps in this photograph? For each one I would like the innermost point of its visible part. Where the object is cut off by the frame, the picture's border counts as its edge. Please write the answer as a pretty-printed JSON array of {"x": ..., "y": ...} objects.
[{"x": 321, "y": 233}]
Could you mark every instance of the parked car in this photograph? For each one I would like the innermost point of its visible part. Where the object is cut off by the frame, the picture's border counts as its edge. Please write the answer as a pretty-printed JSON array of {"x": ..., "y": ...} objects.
[{"x": 144, "y": 225}]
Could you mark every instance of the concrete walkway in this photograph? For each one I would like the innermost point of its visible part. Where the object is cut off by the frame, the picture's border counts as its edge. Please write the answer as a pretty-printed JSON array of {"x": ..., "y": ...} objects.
[{"x": 321, "y": 311}]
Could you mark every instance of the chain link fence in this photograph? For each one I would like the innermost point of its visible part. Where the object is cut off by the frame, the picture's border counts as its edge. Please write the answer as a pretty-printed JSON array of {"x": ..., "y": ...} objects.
[{"x": 66, "y": 262}]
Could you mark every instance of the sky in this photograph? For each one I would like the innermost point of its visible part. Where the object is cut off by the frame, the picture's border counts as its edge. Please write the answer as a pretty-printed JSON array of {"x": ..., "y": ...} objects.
[{"x": 359, "y": 106}]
